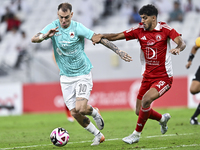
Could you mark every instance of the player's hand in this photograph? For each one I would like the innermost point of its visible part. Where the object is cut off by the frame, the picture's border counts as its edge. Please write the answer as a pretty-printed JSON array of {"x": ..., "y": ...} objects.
[
  {"x": 124, "y": 56},
  {"x": 188, "y": 64},
  {"x": 96, "y": 38},
  {"x": 52, "y": 32},
  {"x": 175, "y": 51}
]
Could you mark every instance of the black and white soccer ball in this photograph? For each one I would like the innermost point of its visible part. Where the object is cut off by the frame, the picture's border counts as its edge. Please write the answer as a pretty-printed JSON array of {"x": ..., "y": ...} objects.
[{"x": 59, "y": 137}]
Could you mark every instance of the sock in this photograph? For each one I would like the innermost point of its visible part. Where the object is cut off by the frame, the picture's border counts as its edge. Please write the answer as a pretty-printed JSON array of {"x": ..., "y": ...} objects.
[
  {"x": 162, "y": 119},
  {"x": 68, "y": 113},
  {"x": 94, "y": 112},
  {"x": 136, "y": 133},
  {"x": 92, "y": 129},
  {"x": 143, "y": 117},
  {"x": 155, "y": 115},
  {"x": 197, "y": 112}
]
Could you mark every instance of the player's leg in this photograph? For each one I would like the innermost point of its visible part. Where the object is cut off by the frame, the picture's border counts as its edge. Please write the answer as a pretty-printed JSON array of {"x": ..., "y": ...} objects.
[
  {"x": 68, "y": 114},
  {"x": 68, "y": 86},
  {"x": 194, "y": 89},
  {"x": 135, "y": 136},
  {"x": 162, "y": 86},
  {"x": 83, "y": 109},
  {"x": 144, "y": 110},
  {"x": 83, "y": 89}
]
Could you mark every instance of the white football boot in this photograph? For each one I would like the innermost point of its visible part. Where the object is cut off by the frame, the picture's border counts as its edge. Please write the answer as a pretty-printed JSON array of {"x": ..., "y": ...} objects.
[
  {"x": 99, "y": 138},
  {"x": 164, "y": 127},
  {"x": 133, "y": 138},
  {"x": 99, "y": 120}
]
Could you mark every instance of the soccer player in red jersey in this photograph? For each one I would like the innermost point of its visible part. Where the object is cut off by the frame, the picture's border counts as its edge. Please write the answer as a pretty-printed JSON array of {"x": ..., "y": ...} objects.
[{"x": 154, "y": 38}]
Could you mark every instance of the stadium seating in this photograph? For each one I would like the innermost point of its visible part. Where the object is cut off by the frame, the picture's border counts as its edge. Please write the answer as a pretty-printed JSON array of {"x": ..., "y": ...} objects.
[{"x": 44, "y": 11}]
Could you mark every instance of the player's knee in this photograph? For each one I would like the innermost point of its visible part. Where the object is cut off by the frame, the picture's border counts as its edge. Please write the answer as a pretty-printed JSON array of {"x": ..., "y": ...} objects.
[
  {"x": 74, "y": 114},
  {"x": 193, "y": 91},
  {"x": 146, "y": 103},
  {"x": 137, "y": 112},
  {"x": 82, "y": 111}
]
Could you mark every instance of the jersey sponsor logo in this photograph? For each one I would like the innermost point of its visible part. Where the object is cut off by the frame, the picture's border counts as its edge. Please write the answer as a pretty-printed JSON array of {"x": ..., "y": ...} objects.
[
  {"x": 151, "y": 42},
  {"x": 151, "y": 53},
  {"x": 160, "y": 84},
  {"x": 64, "y": 43},
  {"x": 58, "y": 51},
  {"x": 158, "y": 37},
  {"x": 71, "y": 34},
  {"x": 144, "y": 38},
  {"x": 57, "y": 34}
]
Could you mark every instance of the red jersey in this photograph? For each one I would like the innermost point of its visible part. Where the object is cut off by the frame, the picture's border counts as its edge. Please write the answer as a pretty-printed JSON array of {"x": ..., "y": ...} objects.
[{"x": 154, "y": 44}]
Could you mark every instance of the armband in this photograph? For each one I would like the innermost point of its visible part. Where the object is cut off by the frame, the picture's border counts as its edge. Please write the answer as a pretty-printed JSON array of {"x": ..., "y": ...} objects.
[
  {"x": 191, "y": 57},
  {"x": 41, "y": 37}
]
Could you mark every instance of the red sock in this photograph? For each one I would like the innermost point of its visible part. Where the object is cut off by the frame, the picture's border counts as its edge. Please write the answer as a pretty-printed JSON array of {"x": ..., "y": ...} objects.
[
  {"x": 143, "y": 117},
  {"x": 155, "y": 115},
  {"x": 68, "y": 112}
]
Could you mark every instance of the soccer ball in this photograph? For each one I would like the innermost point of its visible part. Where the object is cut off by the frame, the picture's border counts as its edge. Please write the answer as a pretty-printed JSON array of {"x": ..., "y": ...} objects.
[{"x": 59, "y": 137}]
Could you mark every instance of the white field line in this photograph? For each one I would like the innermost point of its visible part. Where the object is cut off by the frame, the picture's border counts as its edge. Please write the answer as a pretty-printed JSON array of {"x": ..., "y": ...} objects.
[
  {"x": 191, "y": 145},
  {"x": 21, "y": 147}
]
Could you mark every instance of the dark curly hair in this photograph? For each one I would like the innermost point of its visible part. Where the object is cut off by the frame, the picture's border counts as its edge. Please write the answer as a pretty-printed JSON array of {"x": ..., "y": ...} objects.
[{"x": 149, "y": 10}]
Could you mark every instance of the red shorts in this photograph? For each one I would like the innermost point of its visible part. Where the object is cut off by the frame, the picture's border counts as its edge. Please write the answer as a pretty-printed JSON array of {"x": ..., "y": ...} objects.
[{"x": 162, "y": 85}]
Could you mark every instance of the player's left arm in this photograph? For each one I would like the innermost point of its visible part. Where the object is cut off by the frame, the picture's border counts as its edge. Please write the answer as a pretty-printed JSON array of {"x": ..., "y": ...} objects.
[
  {"x": 180, "y": 46},
  {"x": 113, "y": 47}
]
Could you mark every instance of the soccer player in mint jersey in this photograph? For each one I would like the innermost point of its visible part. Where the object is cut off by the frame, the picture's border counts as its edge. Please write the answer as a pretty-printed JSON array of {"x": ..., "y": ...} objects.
[
  {"x": 195, "y": 86},
  {"x": 157, "y": 73},
  {"x": 75, "y": 68}
]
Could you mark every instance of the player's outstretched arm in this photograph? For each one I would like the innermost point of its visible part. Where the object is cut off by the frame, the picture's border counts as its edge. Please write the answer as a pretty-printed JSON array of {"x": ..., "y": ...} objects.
[
  {"x": 180, "y": 46},
  {"x": 113, "y": 47},
  {"x": 110, "y": 37},
  {"x": 99, "y": 38},
  {"x": 191, "y": 56},
  {"x": 40, "y": 36}
]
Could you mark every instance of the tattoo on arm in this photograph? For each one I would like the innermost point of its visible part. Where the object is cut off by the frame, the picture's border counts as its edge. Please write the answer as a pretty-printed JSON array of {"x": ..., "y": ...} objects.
[
  {"x": 113, "y": 47},
  {"x": 37, "y": 35}
]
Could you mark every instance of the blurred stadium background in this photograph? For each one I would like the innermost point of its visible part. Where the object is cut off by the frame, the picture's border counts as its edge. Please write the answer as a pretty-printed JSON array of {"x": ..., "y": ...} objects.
[{"x": 102, "y": 16}]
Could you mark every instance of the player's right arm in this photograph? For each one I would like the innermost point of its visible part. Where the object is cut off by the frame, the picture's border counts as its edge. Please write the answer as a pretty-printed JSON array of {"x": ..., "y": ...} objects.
[
  {"x": 191, "y": 56},
  {"x": 40, "y": 36},
  {"x": 114, "y": 36},
  {"x": 110, "y": 37}
]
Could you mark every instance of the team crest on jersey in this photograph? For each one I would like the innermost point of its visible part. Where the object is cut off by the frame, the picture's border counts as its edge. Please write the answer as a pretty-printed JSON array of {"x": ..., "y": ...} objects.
[
  {"x": 71, "y": 34},
  {"x": 158, "y": 37}
]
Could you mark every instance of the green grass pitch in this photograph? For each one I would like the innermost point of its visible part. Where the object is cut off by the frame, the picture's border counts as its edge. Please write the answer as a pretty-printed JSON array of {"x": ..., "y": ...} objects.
[{"x": 31, "y": 132}]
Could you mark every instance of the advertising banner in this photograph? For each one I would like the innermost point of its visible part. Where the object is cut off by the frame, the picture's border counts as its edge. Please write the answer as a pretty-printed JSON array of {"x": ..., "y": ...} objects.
[
  {"x": 43, "y": 97},
  {"x": 121, "y": 94},
  {"x": 11, "y": 99}
]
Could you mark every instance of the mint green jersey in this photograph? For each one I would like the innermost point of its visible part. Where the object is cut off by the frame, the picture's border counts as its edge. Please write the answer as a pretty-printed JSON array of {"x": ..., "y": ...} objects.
[{"x": 68, "y": 45}]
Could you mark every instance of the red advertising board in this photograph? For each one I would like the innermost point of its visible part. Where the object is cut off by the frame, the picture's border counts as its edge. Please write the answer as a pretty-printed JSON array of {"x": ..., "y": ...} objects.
[
  {"x": 105, "y": 95},
  {"x": 42, "y": 97}
]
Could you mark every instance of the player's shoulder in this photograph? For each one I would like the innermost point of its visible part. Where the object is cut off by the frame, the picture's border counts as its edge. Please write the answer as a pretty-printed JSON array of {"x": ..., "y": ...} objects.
[
  {"x": 56, "y": 22},
  {"x": 164, "y": 25},
  {"x": 140, "y": 26}
]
